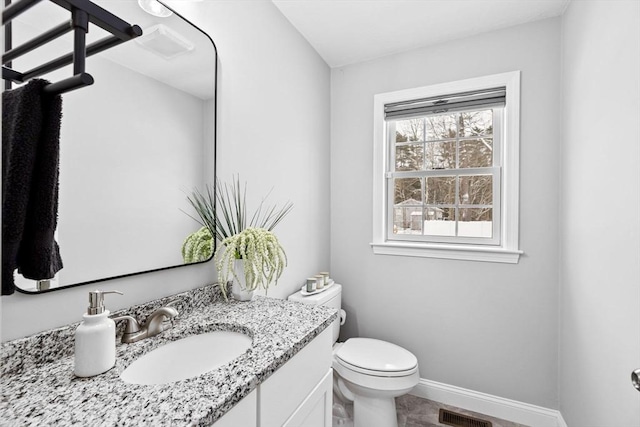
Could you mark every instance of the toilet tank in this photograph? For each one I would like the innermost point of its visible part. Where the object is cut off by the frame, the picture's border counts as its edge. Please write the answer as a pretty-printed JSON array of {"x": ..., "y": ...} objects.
[{"x": 332, "y": 297}]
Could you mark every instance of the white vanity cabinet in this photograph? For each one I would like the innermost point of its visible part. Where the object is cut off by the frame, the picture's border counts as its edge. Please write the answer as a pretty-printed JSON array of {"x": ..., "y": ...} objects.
[
  {"x": 298, "y": 394},
  {"x": 243, "y": 414},
  {"x": 316, "y": 410}
]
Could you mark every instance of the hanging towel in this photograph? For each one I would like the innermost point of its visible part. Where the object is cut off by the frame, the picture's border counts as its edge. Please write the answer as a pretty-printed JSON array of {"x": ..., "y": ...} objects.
[{"x": 30, "y": 160}]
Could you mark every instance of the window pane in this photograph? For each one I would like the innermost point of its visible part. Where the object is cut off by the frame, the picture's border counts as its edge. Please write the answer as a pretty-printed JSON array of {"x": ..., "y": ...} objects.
[
  {"x": 441, "y": 190},
  {"x": 440, "y": 155},
  {"x": 475, "y": 222},
  {"x": 440, "y": 221},
  {"x": 407, "y": 191},
  {"x": 407, "y": 220},
  {"x": 409, "y": 157},
  {"x": 476, "y": 190},
  {"x": 440, "y": 127},
  {"x": 410, "y": 130},
  {"x": 476, "y": 153},
  {"x": 475, "y": 123}
]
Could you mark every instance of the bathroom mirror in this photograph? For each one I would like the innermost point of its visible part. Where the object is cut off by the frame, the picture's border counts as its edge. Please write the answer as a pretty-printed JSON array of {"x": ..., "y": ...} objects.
[{"x": 132, "y": 146}]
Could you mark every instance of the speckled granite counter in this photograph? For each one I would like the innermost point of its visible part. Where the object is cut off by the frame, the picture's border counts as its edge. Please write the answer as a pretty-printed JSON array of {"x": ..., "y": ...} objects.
[{"x": 38, "y": 386}]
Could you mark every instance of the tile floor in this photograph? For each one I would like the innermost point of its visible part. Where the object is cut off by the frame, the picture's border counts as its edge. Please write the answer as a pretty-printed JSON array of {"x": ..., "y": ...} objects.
[{"x": 414, "y": 411}]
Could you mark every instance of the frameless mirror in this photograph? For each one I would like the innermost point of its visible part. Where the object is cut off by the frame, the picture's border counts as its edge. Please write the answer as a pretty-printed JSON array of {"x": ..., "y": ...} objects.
[{"x": 132, "y": 145}]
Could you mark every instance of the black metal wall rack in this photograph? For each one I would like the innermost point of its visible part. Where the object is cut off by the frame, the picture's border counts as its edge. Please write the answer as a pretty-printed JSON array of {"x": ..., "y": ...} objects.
[{"x": 82, "y": 13}]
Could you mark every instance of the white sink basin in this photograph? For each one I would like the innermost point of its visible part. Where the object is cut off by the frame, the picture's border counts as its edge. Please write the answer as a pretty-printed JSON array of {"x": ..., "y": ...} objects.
[{"x": 187, "y": 358}]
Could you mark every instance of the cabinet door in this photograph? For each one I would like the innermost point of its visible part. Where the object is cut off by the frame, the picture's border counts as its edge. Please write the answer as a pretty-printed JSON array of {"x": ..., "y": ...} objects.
[
  {"x": 243, "y": 414},
  {"x": 315, "y": 411},
  {"x": 280, "y": 395}
]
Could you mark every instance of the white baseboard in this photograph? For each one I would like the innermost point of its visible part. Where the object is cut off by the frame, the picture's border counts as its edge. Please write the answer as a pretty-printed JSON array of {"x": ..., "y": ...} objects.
[
  {"x": 561, "y": 422},
  {"x": 494, "y": 406}
]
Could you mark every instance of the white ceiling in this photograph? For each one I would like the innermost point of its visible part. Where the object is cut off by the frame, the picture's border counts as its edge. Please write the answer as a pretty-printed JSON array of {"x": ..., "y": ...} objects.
[{"x": 350, "y": 31}]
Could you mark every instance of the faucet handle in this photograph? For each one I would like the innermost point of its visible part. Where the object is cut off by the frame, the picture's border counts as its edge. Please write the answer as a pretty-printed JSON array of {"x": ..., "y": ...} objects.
[
  {"x": 173, "y": 303},
  {"x": 131, "y": 326},
  {"x": 172, "y": 319}
]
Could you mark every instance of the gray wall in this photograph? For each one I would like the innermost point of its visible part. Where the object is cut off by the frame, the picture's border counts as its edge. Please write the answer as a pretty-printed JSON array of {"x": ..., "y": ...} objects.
[
  {"x": 273, "y": 128},
  {"x": 482, "y": 326},
  {"x": 600, "y": 232}
]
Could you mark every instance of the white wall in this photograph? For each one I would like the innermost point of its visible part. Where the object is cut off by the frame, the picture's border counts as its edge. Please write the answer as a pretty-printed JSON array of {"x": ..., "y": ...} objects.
[
  {"x": 482, "y": 326},
  {"x": 273, "y": 128},
  {"x": 600, "y": 231}
]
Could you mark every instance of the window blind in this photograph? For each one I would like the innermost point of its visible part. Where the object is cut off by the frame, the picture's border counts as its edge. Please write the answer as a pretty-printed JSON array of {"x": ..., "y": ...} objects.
[{"x": 486, "y": 98}]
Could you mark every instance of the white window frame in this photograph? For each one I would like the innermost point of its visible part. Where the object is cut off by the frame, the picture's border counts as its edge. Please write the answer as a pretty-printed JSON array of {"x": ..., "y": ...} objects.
[{"x": 507, "y": 250}]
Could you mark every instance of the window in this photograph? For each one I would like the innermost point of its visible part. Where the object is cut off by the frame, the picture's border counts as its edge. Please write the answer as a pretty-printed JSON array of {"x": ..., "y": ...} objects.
[{"x": 446, "y": 170}]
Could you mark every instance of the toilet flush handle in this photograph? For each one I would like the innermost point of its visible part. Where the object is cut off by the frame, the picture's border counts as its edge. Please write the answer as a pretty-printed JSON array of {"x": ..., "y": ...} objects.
[
  {"x": 635, "y": 379},
  {"x": 343, "y": 317}
]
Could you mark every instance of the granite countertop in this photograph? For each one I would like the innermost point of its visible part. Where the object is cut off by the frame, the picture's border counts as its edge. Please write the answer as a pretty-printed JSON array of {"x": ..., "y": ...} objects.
[{"x": 38, "y": 386}]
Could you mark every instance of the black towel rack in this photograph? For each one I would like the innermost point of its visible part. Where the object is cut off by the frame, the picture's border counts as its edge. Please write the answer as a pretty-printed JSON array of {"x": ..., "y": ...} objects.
[{"x": 82, "y": 12}]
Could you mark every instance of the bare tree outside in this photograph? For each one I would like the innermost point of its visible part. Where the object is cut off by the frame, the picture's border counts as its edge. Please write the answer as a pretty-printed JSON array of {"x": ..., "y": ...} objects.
[{"x": 447, "y": 143}]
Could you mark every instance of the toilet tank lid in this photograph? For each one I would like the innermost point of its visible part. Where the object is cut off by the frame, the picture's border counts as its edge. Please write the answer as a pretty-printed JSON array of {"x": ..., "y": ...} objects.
[{"x": 319, "y": 298}]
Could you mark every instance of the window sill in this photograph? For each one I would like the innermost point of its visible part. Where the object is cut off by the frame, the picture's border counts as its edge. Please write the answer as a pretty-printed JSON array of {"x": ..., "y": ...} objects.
[{"x": 458, "y": 252}]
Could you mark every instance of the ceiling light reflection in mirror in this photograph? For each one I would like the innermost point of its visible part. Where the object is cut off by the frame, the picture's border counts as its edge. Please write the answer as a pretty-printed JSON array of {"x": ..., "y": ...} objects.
[{"x": 155, "y": 8}]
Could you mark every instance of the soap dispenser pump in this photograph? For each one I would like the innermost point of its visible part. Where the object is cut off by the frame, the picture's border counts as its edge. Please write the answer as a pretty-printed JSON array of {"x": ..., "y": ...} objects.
[{"x": 95, "y": 343}]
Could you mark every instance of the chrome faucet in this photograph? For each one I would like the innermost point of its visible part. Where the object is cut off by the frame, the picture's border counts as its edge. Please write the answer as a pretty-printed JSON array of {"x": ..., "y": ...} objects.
[{"x": 157, "y": 322}]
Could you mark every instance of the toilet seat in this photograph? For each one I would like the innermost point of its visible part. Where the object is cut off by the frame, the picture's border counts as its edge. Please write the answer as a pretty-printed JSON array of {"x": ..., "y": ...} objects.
[
  {"x": 373, "y": 373},
  {"x": 376, "y": 358}
]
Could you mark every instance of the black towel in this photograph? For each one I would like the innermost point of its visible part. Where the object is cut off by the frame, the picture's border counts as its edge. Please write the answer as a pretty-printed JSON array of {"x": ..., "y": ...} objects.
[{"x": 30, "y": 160}]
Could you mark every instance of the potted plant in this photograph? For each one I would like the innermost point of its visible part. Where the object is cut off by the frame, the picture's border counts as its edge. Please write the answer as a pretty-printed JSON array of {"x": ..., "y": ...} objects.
[
  {"x": 251, "y": 259},
  {"x": 249, "y": 253}
]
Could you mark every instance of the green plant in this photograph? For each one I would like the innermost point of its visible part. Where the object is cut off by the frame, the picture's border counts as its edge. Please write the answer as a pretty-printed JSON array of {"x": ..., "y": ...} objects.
[
  {"x": 223, "y": 209},
  {"x": 198, "y": 246},
  {"x": 263, "y": 257}
]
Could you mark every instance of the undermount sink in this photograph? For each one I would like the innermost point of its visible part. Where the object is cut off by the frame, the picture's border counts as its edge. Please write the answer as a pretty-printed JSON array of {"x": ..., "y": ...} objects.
[{"x": 187, "y": 358}]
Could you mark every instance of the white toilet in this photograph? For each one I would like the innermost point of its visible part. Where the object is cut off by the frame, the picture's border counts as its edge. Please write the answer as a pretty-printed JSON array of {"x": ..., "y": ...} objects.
[{"x": 368, "y": 372}]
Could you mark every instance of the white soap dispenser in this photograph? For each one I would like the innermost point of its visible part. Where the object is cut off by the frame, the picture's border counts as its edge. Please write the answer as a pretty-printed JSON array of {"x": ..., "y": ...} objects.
[{"x": 95, "y": 347}]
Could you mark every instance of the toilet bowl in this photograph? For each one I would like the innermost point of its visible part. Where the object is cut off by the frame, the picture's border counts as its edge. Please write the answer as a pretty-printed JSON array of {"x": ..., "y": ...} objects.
[
  {"x": 372, "y": 373},
  {"x": 368, "y": 373}
]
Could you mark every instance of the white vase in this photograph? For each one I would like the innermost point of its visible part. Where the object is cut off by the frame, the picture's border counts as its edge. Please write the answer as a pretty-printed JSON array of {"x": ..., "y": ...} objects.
[{"x": 238, "y": 287}]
